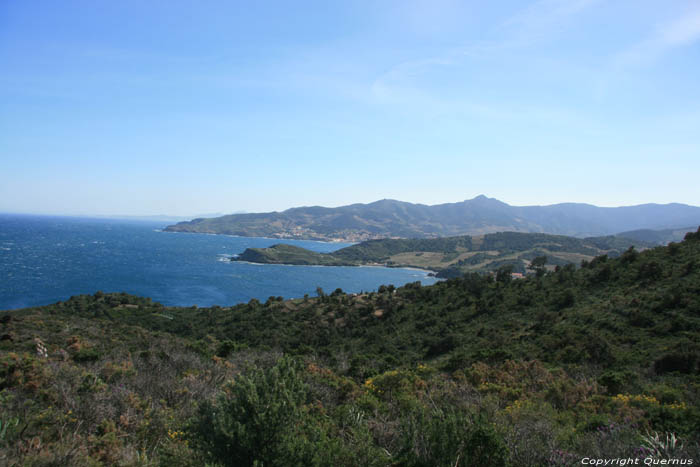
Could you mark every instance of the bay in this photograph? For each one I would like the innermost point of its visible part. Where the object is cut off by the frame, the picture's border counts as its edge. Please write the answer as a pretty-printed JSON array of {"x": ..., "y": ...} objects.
[{"x": 45, "y": 259}]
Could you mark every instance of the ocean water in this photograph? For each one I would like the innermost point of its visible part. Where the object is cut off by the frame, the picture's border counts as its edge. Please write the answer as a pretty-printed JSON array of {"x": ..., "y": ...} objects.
[{"x": 47, "y": 259}]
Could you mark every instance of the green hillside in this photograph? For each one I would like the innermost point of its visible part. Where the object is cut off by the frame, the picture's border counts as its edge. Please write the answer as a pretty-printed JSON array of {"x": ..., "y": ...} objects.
[
  {"x": 657, "y": 237},
  {"x": 473, "y": 371},
  {"x": 289, "y": 254},
  {"x": 452, "y": 256}
]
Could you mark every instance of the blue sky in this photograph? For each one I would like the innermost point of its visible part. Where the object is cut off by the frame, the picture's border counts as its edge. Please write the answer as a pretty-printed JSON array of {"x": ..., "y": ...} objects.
[{"x": 186, "y": 107}]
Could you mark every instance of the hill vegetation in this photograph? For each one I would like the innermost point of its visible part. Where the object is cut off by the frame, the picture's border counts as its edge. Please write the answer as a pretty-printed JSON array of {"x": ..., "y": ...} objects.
[
  {"x": 396, "y": 219},
  {"x": 452, "y": 256},
  {"x": 657, "y": 237},
  {"x": 599, "y": 362},
  {"x": 290, "y": 254}
]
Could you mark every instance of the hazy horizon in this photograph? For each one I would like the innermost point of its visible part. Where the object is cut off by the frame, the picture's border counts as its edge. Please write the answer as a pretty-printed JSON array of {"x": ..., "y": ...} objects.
[
  {"x": 149, "y": 108},
  {"x": 167, "y": 216}
]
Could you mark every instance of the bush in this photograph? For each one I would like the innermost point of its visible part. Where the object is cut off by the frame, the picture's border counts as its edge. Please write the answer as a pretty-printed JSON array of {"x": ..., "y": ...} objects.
[
  {"x": 448, "y": 438},
  {"x": 225, "y": 348},
  {"x": 616, "y": 381},
  {"x": 86, "y": 354},
  {"x": 680, "y": 362},
  {"x": 650, "y": 271},
  {"x": 629, "y": 256},
  {"x": 485, "y": 446},
  {"x": 602, "y": 274},
  {"x": 254, "y": 422},
  {"x": 692, "y": 236},
  {"x": 504, "y": 274},
  {"x": 564, "y": 299}
]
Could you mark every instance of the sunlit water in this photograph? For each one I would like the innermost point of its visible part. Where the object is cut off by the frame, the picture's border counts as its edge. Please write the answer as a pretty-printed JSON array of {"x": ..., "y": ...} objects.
[{"x": 47, "y": 259}]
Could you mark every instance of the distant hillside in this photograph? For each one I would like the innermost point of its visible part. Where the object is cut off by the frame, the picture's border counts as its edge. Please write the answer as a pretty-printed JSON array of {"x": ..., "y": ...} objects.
[
  {"x": 452, "y": 256},
  {"x": 290, "y": 254},
  {"x": 397, "y": 219},
  {"x": 657, "y": 237}
]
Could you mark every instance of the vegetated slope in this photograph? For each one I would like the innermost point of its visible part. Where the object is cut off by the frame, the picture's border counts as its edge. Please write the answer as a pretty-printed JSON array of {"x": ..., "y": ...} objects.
[
  {"x": 657, "y": 237},
  {"x": 289, "y": 254},
  {"x": 390, "y": 218},
  {"x": 476, "y": 370},
  {"x": 452, "y": 256}
]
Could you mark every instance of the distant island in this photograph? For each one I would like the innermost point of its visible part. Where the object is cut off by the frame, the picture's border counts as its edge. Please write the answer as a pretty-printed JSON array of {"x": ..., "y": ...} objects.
[
  {"x": 453, "y": 256},
  {"x": 478, "y": 216}
]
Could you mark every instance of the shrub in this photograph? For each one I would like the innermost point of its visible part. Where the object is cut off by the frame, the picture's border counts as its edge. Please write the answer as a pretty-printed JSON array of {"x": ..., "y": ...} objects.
[
  {"x": 692, "y": 236},
  {"x": 564, "y": 299},
  {"x": 86, "y": 354},
  {"x": 485, "y": 446},
  {"x": 448, "y": 438},
  {"x": 673, "y": 248},
  {"x": 254, "y": 422},
  {"x": 616, "y": 381},
  {"x": 680, "y": 362},
  {"x": 629, "y": 256},
  {"x": 650, "y": 271},
  {"x": 504, "y": 274},
  {"x": 225, "y": 348},
  {"x": 602, "y": 274}
]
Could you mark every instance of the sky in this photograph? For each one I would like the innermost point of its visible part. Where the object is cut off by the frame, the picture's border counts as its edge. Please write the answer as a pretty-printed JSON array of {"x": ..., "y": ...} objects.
[{"x": 187, "y": 107}]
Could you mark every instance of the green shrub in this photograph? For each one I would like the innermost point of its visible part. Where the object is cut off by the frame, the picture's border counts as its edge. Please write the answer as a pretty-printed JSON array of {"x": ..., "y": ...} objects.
[
  {"x": 485, "y": 446},
  {"x": 254, "y": 423},
  {"x": 433, "y": 439},
  {"x": 225, "y": 348},
  {"x": 680, "y": 362},
  {"x": 616, "y": 381},
  {"x": 87, "y": 354},
  {"x": 448, "y": 438},
  {"x": 564, "y": 299}
]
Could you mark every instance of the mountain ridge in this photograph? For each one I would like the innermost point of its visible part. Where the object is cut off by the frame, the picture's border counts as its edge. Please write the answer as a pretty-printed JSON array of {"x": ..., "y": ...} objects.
[{"x": 388, "y": 218}]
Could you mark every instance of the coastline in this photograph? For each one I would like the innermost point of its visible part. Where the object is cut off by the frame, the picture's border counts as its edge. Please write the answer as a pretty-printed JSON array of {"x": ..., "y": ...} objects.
[
  {"x": 373, "y": 265},
  {"x": 398, "y": 266},
  {"x": 333, "y": 241}
]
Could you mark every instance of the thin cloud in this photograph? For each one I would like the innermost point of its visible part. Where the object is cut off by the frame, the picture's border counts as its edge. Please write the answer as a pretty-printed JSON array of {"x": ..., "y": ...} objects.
[
  {"x": 681, "y": 32},
  {"x": 544, "y": 18},
  {"x": 539, "y": 20}
]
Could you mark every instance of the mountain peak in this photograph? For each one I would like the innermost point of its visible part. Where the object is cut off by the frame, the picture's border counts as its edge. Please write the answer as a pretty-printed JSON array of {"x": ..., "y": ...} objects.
[{"x": 486, "y": 201}]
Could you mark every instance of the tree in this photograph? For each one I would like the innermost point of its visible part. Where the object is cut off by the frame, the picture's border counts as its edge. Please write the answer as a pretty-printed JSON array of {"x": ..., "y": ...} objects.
[
  {"x": 504, "y": 274},
  {"x": 537, "y": 265}
]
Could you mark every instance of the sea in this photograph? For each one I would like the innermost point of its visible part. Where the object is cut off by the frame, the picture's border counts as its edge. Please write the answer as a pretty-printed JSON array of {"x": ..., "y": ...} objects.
[{"x": 46, "y": 259}]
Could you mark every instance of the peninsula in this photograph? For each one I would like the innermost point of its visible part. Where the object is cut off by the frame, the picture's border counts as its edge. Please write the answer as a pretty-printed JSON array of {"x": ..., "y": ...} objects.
[{"x": 452, "y": 256}]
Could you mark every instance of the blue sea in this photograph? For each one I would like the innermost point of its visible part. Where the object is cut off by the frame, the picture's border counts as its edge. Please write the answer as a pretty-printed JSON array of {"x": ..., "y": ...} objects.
[{"x": 47, "y": 259}]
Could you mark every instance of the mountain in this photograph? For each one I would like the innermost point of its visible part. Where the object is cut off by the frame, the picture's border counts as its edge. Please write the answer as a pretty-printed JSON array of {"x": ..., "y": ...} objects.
[
  {"x": 452, "y": 256},
  {"x": 398, "y": 219}
]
